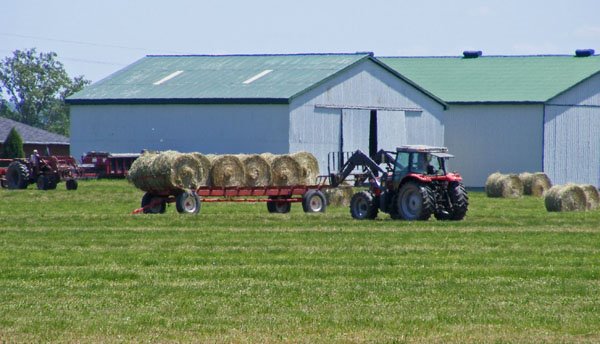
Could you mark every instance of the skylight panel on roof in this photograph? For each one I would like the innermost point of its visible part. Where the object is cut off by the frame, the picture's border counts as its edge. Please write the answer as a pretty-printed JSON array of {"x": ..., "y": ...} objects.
[
  {"x": 168, "y": 77},
  {"x": 258, "y": 76}
]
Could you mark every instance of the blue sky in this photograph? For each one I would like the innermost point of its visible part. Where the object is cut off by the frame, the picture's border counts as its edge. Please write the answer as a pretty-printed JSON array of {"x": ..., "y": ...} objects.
[{"x": 97, "y": 38}]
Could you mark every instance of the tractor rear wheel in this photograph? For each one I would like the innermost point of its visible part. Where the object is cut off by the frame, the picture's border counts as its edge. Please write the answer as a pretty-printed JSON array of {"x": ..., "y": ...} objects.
[
  {"x": 363, "y": 207},
  {"x": 459, "y": 203},
  {"x": 415, "y": 201},
  {"x": 313, "y": 201},
  {"x": 159, "y": 205},
  {"x": 17, "y": 175},
  {"x": 187, "y": 203}
]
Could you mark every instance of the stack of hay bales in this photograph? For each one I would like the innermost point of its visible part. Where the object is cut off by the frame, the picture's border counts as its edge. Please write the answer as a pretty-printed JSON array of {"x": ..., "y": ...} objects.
[
  {"x": 170, "y": 171},
  {"x": 339, "y": 196},
  {"x": 504, "y": 185},
  {"x": 572, "y": 197},
  {"x": 535, "y": 184},
  {"x": 166, "y": 172}
]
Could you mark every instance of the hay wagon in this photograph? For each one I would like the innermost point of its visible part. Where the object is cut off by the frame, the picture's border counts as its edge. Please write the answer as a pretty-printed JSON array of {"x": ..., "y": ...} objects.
[{"x": 278, "y": 199}]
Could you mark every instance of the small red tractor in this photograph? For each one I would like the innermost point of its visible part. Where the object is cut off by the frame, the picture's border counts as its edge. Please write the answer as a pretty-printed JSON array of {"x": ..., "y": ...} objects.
[
  {"x": 49, "y": 171},
  {"x": 414, "y": 186}
]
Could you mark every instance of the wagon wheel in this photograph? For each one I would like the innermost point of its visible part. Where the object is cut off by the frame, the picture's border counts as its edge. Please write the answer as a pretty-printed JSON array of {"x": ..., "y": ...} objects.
[
  {"x": 187, "y": 203},
  {"x": 158, "y": 204},
  {"x": 313, "y": 201},
  {"x": 275, "y": 205}
]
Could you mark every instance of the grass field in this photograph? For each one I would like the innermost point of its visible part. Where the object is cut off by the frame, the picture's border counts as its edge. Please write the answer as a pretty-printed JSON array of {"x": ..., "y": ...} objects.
[{"x": 78, "y": 267}]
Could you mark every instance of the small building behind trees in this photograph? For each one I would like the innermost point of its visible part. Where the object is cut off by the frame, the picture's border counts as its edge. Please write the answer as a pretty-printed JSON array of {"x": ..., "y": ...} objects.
[{"x": 45, "y": 142}]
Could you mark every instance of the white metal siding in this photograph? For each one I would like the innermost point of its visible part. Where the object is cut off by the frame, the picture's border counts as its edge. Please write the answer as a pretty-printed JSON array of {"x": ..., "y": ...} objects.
[
  {"x": 317, "y": 132},
  {"x": 355, "y": 130},
  {"x": 364, "y": 87},
  {"x": 203, "y": 128},
  {"x": 490, "y": 138},
  {"x": 391, "y": 130},
  {"x": 571, "y": 135}
]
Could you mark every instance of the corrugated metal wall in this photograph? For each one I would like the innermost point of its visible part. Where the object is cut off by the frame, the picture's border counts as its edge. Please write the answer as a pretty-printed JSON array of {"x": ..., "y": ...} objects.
[
  {"x": 572, "y": 135},
  {"x": 365, "y": 87},
  {"x": 186, "y": 128},
  {"x": 490, "y": 138}
]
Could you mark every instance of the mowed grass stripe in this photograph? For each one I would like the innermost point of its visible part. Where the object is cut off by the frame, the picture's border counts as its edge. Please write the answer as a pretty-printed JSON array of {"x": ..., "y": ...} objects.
[{"x": 236, "y": 273}]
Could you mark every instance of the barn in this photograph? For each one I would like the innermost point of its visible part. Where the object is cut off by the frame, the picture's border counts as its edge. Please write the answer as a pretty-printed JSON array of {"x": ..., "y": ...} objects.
[
  {"x": 516, "y": 113},
  {"x": 45, "y": 142},
  {"x": 220, "y": 104}
]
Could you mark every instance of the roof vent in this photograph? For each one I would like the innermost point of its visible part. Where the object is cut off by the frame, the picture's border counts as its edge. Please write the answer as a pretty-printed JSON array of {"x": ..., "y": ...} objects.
[
  {"x": 472, "y": 54},
  {"x": 584, "y": 52}
]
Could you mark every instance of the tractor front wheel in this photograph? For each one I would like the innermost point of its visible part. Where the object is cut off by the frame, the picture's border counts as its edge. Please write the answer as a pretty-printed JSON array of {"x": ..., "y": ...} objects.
[
  {"x": 363, "y": 207},
  {"x": 43, "y": 182},
  {"x": 459, "y": 203},
  {"x": 17, "y": 175},
  {"x": 71, "y": 184},
  {"x": 415, "y": 201}
]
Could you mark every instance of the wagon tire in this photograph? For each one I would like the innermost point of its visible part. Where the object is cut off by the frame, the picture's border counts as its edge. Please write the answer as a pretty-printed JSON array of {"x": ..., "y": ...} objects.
[
  {"x": 159, "y": 208},
  {"x": 313, "y": 201},
  {"x": 276, "y": 206},
  {"x": 187, "y": 203},
  {"x": 17, "y": 175}
]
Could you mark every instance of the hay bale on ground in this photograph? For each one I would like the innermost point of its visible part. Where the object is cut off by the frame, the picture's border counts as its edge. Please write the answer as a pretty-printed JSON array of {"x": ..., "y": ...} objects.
[
  {"x": 503, "y": 185},
  {"x": 165, "y": 172},
  {"x": 285, "y": 170},
  {"x": 535, "y": 184},
  {"x": 339, "y": 196},
  {"x": 568, "y": 197},
  {"x": 227, "y": 170},
  {"x": 309, "y": 167},
  {"x": 257, "y": 170},
  {"x": 204, "y": 167},
  {"x": 592, "y": 196}
]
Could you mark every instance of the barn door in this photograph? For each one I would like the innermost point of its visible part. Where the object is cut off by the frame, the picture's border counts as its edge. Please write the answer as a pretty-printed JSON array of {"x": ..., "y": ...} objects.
[
  {"x": 355, "y": 130},
  {"x": 391, "y": 129}
]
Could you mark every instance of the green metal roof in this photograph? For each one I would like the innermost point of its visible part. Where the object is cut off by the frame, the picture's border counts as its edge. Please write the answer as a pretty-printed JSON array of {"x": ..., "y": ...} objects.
[
  {"x": 218, "y": 79},
  {"x": 496, "y": 79}
]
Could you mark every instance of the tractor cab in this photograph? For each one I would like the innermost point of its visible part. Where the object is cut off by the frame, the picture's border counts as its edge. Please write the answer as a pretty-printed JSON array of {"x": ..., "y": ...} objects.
[{"x": 423, "y": 160}]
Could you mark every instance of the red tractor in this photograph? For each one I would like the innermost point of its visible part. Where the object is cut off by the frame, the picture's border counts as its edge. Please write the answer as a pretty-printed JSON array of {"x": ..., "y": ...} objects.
[
  {"x": 413, "y": 186},
  {"x": 49, "y": 171}
]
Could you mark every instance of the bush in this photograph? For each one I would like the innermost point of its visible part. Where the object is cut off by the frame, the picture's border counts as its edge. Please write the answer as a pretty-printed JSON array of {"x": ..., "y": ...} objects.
[{"x": 13, "y": 146}]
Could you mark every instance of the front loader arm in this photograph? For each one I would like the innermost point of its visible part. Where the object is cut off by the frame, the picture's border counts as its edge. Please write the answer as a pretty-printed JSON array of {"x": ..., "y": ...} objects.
[{"x": 357, "y": 159}]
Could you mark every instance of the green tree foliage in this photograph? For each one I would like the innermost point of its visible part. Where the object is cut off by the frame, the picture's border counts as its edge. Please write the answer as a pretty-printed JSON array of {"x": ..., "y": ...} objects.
[
  {"x": 37, "y": 85},
  {"x": 13, "y": 146}
]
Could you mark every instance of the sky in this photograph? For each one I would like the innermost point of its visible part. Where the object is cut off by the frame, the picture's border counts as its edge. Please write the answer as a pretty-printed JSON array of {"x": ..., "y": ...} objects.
[{"x": 97, "y": 38}]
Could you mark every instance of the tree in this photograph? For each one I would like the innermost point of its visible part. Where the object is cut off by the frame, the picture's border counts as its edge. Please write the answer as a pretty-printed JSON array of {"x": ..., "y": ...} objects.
[
  {"x": 13, "y": 146},
  {"x": 37, "y": 85}
]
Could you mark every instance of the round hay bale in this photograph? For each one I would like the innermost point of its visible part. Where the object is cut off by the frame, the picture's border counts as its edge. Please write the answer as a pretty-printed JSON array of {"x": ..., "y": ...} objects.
[
  {"x": 592, "y": 196},
  {"x": 535, "y": 184},
  {"x": 568, "y": 197},
  {"x": 285, "y": 170},
  {"x": 204, "y": 167},
  {"x": 140, "y": 172},
  {"x": 503, "y": 185},
  {"x": 309, "y": 166},
  {"x": 339, "y": 196},
  {"x": 257, "y": 170},
  {"x": 165, "y": 172},
  {"x": 227, "y": 170}
]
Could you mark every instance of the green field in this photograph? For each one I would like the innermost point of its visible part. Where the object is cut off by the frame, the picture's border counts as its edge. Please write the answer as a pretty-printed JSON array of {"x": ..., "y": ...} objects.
[{"x": 76, "y": 266}]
